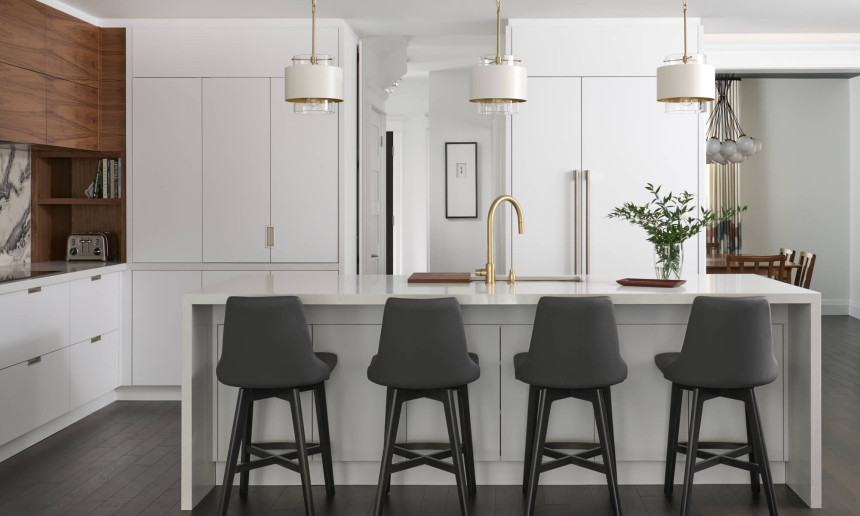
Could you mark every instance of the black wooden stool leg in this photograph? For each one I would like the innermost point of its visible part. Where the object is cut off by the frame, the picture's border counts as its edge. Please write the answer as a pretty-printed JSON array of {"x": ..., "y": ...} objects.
[
  {"x": 466, "y": 436},
  {"x": 692, "y": 450},
  {"x": 325, "y": 440},
  {"x": 392, "y": 412},
  {"x": 246, "y": 450},
  {"x": 607, "y": 399},
  {"x": 601, "y": 418},
  {"x": 302, "y": 450},
  {"x": 761, "y": 451},
  {"x": 454, "y": 438},
  {"x": 530, "y": 435},
  {"x": 542, "y": 420},
  {"x": 236, "y": 438},
  {"x": 754, "y": 475},
  {"x": 674, "y": 429}
]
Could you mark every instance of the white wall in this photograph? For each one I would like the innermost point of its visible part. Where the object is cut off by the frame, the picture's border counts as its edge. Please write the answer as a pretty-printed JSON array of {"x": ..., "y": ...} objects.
[
  {"x": 458, "y": 245},
  {"x": 407, "y": 109},
  {"x": 797, "y": 188},
  {"x": 854, "y": 85}
]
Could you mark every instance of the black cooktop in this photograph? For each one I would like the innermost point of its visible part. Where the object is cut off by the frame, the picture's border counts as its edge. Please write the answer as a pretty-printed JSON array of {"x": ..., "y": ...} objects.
[{"x": 22, "y": 274}]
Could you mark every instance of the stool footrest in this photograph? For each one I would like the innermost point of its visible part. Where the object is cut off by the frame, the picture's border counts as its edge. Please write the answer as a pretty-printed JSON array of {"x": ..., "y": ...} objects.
[
  {"x": 728, "y": 458},
  {"x": 414, "y": 459},
  {"x": 267, "y": 458},
  {"x": 589, "y": 450}
]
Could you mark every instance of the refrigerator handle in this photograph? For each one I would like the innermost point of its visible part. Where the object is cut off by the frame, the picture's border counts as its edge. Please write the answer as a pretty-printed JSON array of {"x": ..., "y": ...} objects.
[
  {"x": 577, "y": 234},
  {"x": 587, "y": 180}
]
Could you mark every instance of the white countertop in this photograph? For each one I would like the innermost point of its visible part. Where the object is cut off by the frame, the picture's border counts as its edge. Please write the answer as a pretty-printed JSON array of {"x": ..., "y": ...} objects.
[
  {"x": 374, "y": 290},
  {"x": 61, "y": 272}
]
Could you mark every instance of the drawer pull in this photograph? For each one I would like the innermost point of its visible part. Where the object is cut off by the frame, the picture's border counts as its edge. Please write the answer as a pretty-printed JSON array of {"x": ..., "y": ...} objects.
[
  {"x": 34, "y": 290},
  {"x": 270, "y": 236},
  {"x": 34, "y": 361},
  {"x": 96, "y": 338},
  {"x": 96, "y": 277}
]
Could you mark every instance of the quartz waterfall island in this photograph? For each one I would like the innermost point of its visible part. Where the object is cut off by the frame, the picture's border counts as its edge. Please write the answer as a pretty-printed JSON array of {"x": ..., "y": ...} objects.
[{"x": 345, "y": 314}]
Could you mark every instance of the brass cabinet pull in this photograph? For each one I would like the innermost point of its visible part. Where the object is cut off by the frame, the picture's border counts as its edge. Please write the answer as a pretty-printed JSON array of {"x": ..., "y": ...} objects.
[
  {"x": 34, "y": 361},
  {"x": 270, "y": 236},
  {"x": 34, "y": 290},
  {"x": 96, "y": 338},
  {"x": 96, "y": 277}
]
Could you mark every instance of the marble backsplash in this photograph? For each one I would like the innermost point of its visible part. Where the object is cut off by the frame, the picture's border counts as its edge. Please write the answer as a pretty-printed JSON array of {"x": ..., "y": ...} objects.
[{"x": 14, "y": 204}]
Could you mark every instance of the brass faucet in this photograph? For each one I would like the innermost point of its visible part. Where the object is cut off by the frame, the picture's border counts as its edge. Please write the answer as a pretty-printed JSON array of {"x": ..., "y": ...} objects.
[{"x": 490, "y": 271}]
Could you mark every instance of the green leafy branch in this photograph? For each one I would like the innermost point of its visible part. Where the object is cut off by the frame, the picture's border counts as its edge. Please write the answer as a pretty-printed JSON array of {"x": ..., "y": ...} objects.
[{"x": 670, "y": 219}]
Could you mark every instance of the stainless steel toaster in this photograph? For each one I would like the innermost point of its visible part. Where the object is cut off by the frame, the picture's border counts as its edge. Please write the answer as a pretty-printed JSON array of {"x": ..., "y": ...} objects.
[{"x": 89, "y": 246}]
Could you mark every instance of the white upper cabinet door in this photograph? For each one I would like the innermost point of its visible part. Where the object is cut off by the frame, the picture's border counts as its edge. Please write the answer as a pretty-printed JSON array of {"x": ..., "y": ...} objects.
[
  {"x": 235, "y": 170},
  {"x": 304, "y": 183},
  {"x": 546, "y": 138},
  {"x": 628, "y": 141},
  {"x": 166, "y": 160},
  {"x": 157, "y": 327}
]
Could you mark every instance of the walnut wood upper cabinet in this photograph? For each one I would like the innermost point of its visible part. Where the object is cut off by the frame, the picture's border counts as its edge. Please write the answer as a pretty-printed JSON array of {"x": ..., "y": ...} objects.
[
  {"x": 22, "y": 105},
  {"x": 112, "y": 90},
  {"x": 22, "y": 34},
  {"x": 73, "y": 49},
  {"x": 72, "y": 115}
]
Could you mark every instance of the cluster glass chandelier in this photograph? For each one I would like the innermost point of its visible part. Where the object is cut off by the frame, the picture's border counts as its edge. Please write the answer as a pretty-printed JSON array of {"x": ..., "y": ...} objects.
[
  {"x": 313, "y": 83},
  {"x": 727, "y": 142},
  {"x": 684, "y": 82},
  {"x": 498, "y": 83}
]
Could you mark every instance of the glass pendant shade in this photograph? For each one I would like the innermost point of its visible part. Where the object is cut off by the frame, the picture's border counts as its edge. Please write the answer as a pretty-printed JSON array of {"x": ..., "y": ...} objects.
[
  {"x": 313, "y": 88},
  {"x": 685, "y": 87},
  {"x": 498, "y": 89}
]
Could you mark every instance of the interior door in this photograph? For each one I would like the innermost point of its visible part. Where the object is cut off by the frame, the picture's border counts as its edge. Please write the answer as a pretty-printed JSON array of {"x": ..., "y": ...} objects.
[
  {"x": 235, "y": 170},
  {"x": 627, "y": 141},
  {"x": 373, "y": 234},
  {"x": 545, "y": 151}
]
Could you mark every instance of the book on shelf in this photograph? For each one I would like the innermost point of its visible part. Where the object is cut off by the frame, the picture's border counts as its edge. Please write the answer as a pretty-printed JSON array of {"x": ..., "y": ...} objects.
[{"x": 108, "y": 181}]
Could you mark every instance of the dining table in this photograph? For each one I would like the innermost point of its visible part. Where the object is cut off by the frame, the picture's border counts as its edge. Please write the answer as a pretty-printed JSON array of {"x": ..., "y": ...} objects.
[{"x": 716, "y": 264}]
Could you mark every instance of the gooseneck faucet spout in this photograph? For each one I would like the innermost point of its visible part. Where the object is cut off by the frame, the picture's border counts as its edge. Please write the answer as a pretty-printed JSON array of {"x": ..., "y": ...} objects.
[{"x": 490, "y": 271}]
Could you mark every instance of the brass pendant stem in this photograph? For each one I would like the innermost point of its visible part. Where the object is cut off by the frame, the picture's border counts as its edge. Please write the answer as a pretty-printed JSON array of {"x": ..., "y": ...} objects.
[
  {"x": 498, "y": 32},
  {"x": 686, "y": 57},
  {"x": 314, "y": 32}
]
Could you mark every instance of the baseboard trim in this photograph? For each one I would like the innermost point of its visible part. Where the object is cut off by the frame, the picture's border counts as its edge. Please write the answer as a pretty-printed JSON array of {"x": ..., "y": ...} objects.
[
  {"x": 854, "y": 309},
  {"x": 149, "y": 393},
  {"x": 834, "y": 306},
  {"x": 32, "y": 437}
]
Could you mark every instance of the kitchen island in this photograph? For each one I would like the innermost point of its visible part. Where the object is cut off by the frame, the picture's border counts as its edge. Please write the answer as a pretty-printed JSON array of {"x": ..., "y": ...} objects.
[{"x": 345, "y": 314}]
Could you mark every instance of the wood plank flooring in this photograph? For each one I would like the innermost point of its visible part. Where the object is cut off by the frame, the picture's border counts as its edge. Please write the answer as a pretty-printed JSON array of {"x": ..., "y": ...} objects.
[{"x": 124, "y": 460}]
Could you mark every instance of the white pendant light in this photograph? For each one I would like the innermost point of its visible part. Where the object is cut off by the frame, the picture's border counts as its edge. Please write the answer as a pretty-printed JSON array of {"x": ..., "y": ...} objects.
[
  {"x": 313, "y": 83},
  {"x": 498, "y": 83},
  {"x": 685, "y": 82}
]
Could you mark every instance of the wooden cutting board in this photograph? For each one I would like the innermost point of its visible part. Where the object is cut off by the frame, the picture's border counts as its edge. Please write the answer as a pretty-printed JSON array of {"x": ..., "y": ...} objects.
[{"x": 440, "y": 277}]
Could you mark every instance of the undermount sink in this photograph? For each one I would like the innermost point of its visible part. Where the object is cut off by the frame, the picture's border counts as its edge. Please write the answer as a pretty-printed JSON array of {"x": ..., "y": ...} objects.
[{"x": 522, "y": 279}]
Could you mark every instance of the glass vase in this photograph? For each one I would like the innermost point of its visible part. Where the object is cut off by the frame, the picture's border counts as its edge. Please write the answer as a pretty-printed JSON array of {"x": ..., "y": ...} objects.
[{"x": 668, "y": 261}]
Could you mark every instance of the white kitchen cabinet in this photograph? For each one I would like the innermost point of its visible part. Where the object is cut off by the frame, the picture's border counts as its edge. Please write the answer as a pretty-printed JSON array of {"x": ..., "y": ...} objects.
[
  {"x": 34, "y": 322},
  {"x": 546, "y": 143},
  {"x": 304, "y": 189},
  {"x": 356, "y": 405},
  {"x": 167, "y": 174},
  {"x": 93, "y": 368},
  {"x": 213, "y": 277},
  {"x": 94, "y": 306},
  {"x": 570, "y": 420},
  {"x": 33, "y": 393},
  {"x": 612, "y": 128},
  {"x": 425, "y": 419},
  {"x": 235, "y": 169},
  {"x": 628, "y": 140},
  {"x": 156, "y": 324}
]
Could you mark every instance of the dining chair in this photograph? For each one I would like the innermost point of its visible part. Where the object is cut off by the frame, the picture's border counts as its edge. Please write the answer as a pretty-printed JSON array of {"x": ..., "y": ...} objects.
[
  {"x": 712, "y": 247},
  {"x": 789, "y": 258},
  {"x": 772, "y": 266},
  {"x": 804, "y": 274}
]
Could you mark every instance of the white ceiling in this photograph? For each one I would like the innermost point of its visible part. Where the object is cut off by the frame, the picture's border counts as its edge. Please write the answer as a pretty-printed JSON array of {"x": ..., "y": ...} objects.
[{"x": 440, "y": 17}]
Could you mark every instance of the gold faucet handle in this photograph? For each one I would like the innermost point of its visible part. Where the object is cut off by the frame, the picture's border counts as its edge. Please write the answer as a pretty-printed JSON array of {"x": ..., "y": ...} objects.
[
  {"x": 512, "y": 277},
  {"x": 481, "y": 272}
]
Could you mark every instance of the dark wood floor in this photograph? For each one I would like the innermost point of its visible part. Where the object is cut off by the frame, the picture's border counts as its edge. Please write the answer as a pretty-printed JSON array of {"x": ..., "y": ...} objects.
[{"x": 124, "y": 460}]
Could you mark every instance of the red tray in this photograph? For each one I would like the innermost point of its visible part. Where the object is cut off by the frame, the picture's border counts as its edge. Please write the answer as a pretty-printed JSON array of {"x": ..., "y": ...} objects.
[{"x": 646, "y": 282}]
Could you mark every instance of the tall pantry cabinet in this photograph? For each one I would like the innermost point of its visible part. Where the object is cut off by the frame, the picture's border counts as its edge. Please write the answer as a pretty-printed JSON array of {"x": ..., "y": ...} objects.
[
  {"x": 590, "y": 137},
  {"x": 225, "y": 177}
]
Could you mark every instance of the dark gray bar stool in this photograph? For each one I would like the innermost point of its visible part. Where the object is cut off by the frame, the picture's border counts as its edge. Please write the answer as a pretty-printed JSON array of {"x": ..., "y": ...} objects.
[
  {"x": 422, "y": 354},
  {"x": 727, "y": 352},
  {"x": 267, "y": 353},
  {"x": 573, "y": 354}
]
